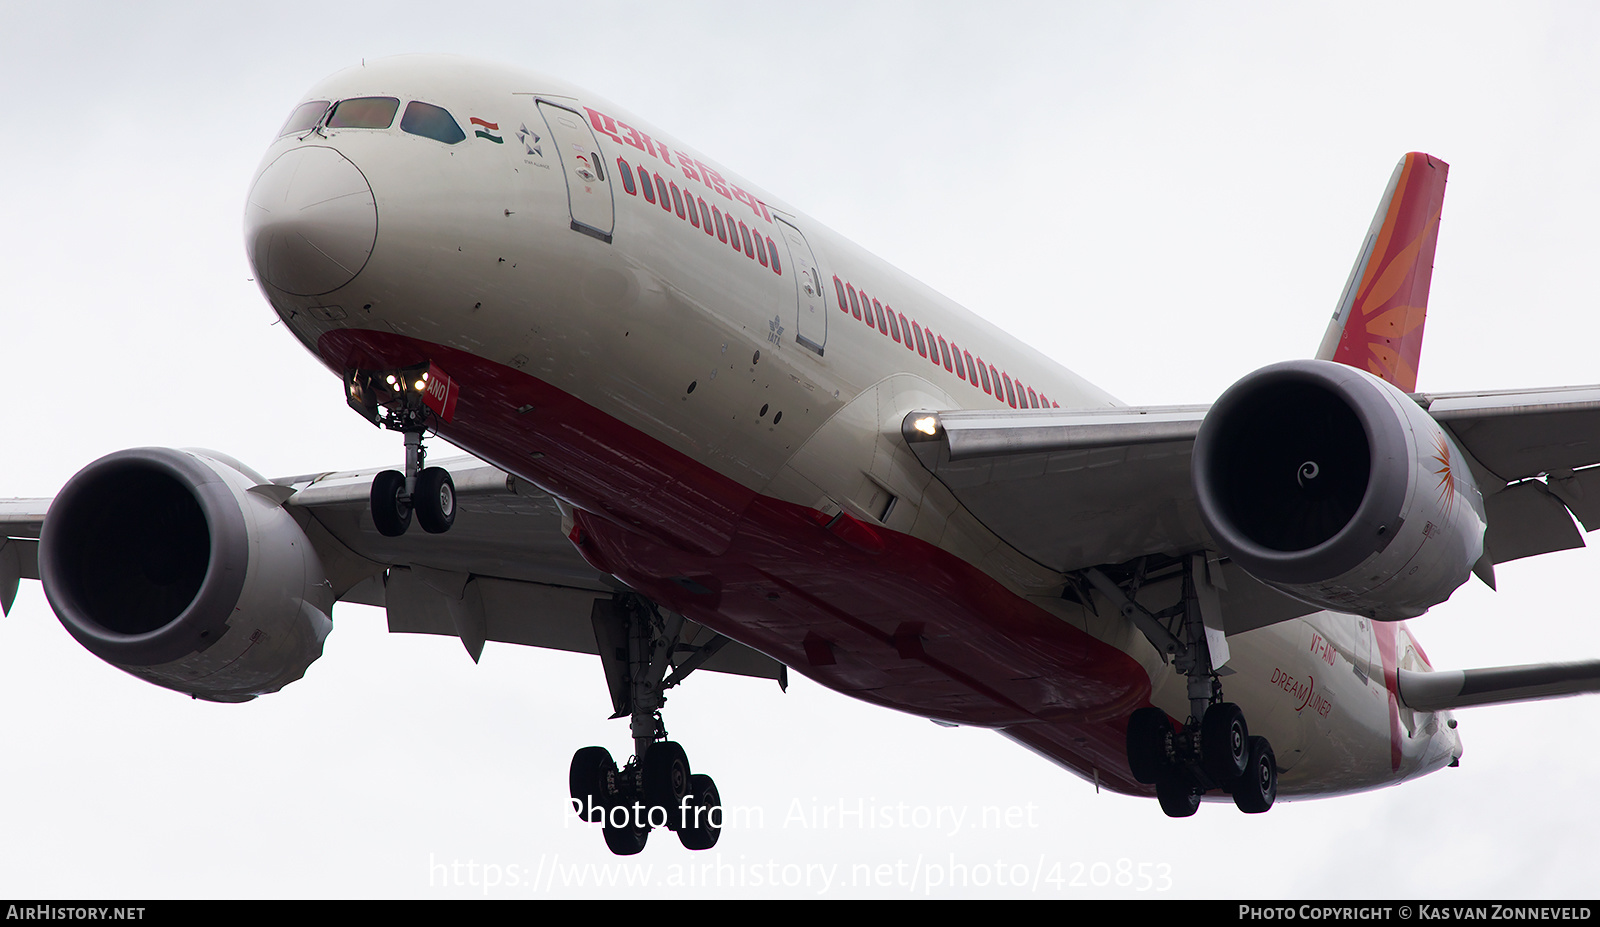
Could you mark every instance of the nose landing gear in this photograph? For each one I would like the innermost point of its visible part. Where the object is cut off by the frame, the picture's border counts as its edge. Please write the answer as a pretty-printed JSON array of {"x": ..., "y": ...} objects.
[{"x": 404, "y": 401}]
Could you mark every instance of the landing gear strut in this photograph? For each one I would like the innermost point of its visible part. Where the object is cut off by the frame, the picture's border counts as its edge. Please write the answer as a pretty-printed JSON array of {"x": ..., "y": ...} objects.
[
  {"x": 656, "y": 788},
  {"x": 399, "y": 402},
  {"x": 1213, "y": 748}
]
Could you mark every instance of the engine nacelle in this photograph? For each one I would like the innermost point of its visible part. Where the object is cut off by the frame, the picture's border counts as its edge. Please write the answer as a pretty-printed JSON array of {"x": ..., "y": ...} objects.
[
  {"x": 1335, "y": 487},
  {"x": 164, "y": 564}
]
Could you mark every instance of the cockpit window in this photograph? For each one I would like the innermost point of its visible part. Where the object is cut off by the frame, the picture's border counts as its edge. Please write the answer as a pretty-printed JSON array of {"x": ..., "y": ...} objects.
[
  {"x": 364, "y": 113},
  {"x": 431, "y": 121},
  {"x": 304, "y": 117}
]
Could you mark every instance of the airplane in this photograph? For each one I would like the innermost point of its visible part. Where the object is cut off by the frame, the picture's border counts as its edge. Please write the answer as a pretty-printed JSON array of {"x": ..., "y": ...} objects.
[{"x": 697, "y": 444}]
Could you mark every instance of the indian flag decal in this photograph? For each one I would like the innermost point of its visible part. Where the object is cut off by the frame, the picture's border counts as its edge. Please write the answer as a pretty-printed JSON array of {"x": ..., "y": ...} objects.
[{"x": 491, "y": 126}]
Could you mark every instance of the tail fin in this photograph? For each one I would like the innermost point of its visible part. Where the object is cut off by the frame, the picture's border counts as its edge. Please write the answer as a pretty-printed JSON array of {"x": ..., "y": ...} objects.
[{"x": 1378, "y": 324}]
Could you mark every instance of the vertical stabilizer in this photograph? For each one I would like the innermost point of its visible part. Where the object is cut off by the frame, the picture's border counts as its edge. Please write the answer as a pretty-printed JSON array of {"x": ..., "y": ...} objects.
[{"x": 1377, "y": 326}]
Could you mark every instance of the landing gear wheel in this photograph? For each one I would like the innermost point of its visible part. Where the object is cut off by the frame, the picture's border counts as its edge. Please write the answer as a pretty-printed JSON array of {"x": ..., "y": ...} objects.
[
  {"x": 702, "y": 827},
  {"x": 1224, "y": 743},
  {"x": 1178, "y": 796},
  {"x": 1257, "y": 789},
  {"x": 435, "y": 500},
  {"x": 391, "y": 513},
  {"x": 586, "y": 779},
  {"x": 629, "y": 839},
  {"x": 1149, "y": 744},
  {"x": 666, "y": 780}
]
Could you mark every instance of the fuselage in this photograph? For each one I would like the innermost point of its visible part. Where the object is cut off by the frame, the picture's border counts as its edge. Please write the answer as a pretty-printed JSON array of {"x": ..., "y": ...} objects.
[{"x": 708, "y": 380}]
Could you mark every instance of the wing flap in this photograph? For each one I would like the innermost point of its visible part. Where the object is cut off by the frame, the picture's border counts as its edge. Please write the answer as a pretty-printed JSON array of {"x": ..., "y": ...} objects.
[
  {"x": 1525, "y": 520},
  {"x": 483, "y": 608}
]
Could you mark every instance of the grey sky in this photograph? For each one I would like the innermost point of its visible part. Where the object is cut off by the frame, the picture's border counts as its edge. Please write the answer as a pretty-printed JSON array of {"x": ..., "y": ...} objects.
[{"x": 1161, "y": 196}]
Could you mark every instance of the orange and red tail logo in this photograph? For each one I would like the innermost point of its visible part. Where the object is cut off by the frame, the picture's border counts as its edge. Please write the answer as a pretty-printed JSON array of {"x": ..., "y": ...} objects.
[{"x": 1380, "y": 319}]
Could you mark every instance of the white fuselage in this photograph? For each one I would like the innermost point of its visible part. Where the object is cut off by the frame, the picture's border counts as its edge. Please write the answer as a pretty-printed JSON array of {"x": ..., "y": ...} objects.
[{"x": 665, "y": 381}]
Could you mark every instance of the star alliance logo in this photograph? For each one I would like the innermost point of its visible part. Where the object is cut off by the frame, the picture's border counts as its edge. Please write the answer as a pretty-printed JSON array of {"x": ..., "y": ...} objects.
[
  {"x": 776, "y": 334},
  {"x": 529, "y": 140}
]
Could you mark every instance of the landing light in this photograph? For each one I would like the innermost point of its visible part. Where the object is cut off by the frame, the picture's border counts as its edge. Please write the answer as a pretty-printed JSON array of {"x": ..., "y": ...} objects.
[
  {"x": 419, "y": 385},
  {"x": 928, "y": 425}
]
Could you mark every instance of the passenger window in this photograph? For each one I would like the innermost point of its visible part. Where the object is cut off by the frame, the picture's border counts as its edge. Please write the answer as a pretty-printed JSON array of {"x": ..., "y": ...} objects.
[
  {"x": 716, "y": 214},
  {"x": 431, "y": 121},
  {"x": 882, "y": 325},
  {"x": 661, "y": 191},
  {"x": 677, "y": 200},
  {"x": 364, "y": 113},
  {"x": 1011, "y": 396},
  {"x": 905, "y": 327},
  {"x": 773, "y": 248},
  {"x": 1033, "y": 398},
  {"x": 838, "y": 286},
  {"x": 761, "y": 250},
  {"x": 982, "y": 372},
  {"x": 944, "y": 352},
  {"x": 304, "y": 118},
  {"x": 744, "y": 232},
  {"x": 644, "y": 182},
  {"x": 894, "y": 327},
  {"x": 626, "y": 173},
  {"x": 955, "y": 353},
  {"x": 855, "y": 308},
  {"x": 921, "y": 347},
  {"x": 705, "y": 218}
]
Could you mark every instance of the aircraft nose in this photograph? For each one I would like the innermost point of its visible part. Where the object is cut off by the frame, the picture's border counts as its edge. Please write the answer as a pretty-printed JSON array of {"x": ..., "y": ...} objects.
[{"x": 310, "y": 222}]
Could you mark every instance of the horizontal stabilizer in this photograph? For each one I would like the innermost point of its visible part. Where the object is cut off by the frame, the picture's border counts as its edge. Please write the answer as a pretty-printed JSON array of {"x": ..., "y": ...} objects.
[{"x": 1495, "y": 685}]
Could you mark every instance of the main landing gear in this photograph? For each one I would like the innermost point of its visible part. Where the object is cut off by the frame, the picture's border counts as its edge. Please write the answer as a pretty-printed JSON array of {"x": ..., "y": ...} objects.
[
  {"x": 1213, "y": 748},
  {"x": 398, "y": 401},
  {"x": 655, "y": 788}
]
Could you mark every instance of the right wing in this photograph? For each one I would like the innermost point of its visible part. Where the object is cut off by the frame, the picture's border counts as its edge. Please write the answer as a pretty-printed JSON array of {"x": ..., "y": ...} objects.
[
  {"x": 504, "y": 572},
  {"x": 1534, "y": 453},
  {"x": 1102, "y": 489}
]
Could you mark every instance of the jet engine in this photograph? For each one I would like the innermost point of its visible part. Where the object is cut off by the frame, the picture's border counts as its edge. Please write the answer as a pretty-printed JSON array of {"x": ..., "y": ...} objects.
[
  {"x": 1335, "y": 487},
  {"x": 166, "y": 564}
]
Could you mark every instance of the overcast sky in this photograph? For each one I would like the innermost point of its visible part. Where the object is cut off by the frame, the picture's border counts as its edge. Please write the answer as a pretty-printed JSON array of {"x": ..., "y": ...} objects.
[{"x": 1163, "y": 197}]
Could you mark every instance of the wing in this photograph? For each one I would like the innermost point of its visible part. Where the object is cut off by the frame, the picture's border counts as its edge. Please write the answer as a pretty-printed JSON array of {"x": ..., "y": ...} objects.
[
  {"x": 1100, "y": 488},
  {"x": 504, "y": 572},
  {"x": 1096, "y": 489},
  {"x": 1534, "y": 454},
  {"x": 20, "y": 521},
  {"x": 1111, "y": 490}
]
